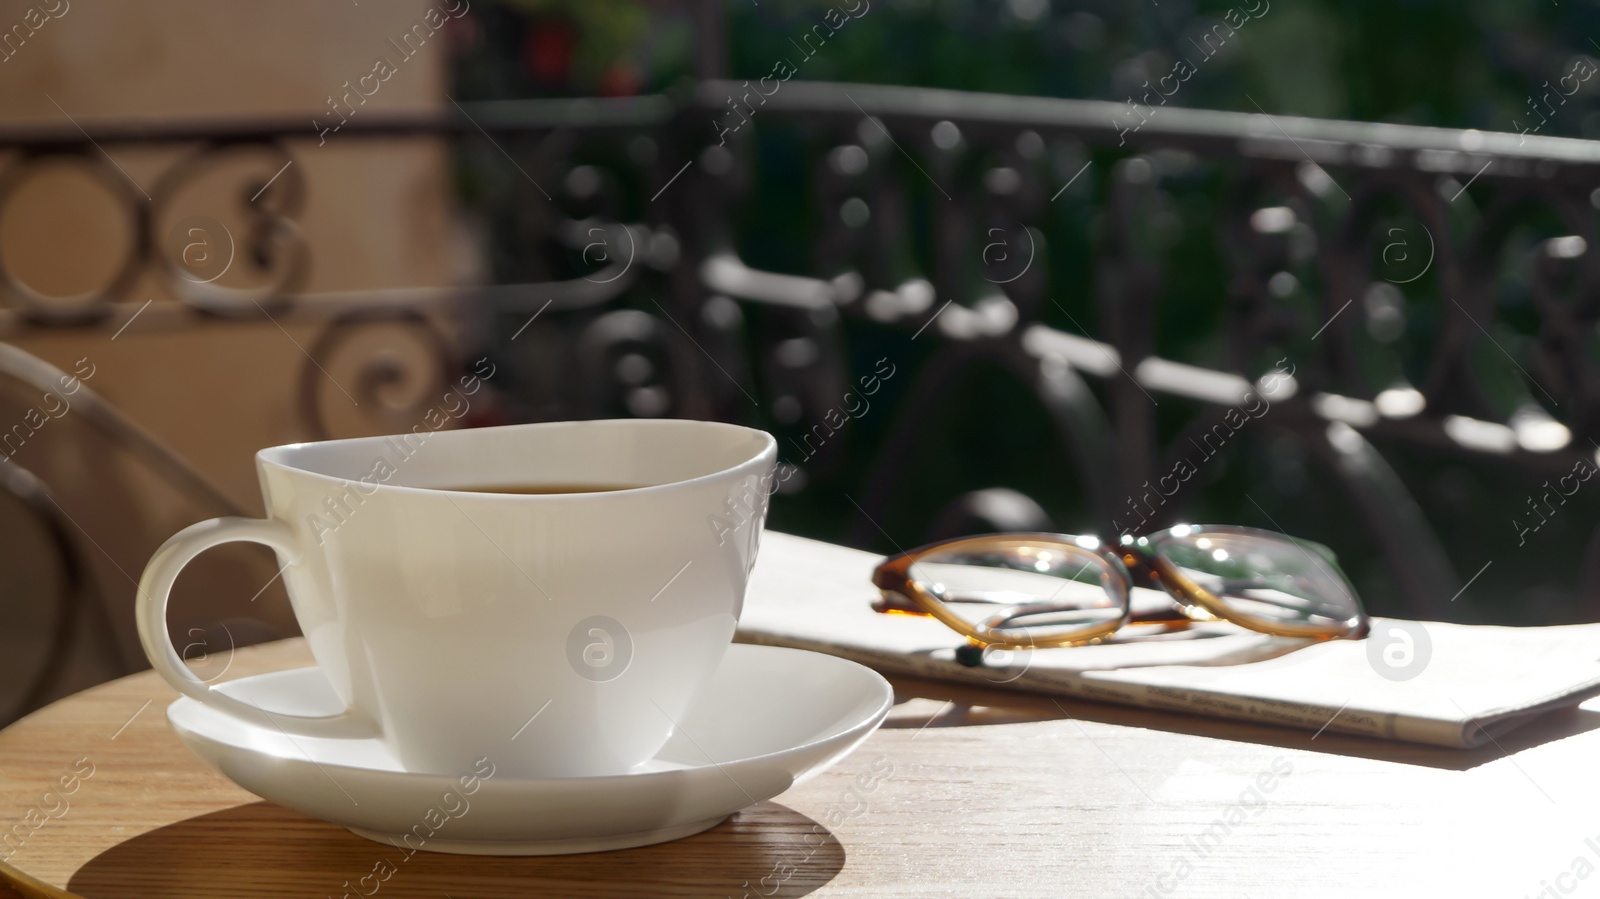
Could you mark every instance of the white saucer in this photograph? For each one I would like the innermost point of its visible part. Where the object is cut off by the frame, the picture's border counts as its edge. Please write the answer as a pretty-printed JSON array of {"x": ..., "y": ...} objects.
[{"x": 769, "y": 718}]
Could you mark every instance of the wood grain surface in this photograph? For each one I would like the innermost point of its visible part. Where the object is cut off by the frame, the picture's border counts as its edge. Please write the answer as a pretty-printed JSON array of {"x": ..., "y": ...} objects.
[{"x": 986, "y": 794}]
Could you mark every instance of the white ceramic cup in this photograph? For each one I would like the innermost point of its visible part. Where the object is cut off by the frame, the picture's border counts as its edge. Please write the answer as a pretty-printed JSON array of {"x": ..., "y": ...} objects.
[{"x": 558, "y": 635}]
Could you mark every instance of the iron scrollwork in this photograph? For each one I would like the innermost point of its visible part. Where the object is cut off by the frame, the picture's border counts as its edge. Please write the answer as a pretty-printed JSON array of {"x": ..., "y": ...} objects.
[{"x": 958, "y": 238}]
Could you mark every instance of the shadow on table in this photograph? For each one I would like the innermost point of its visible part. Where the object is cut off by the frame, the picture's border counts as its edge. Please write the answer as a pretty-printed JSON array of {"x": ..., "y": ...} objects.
[
  {"x": 261, "y": 849},
  {"x": 970, "y": 706}
]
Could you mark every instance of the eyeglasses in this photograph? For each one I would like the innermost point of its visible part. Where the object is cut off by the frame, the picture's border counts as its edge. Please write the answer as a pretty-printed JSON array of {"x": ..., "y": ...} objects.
[{"x": 1028, "y": 591}]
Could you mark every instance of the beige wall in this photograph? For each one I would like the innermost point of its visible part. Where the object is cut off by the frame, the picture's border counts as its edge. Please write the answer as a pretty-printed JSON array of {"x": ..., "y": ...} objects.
[
  {"x": 140, "y": 58},
  {"x": 377, "y": 214}
]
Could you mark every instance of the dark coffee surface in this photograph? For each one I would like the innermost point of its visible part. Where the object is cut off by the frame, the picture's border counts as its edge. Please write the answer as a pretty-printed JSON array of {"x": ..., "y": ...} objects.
[{"x": 544, "y": 488}]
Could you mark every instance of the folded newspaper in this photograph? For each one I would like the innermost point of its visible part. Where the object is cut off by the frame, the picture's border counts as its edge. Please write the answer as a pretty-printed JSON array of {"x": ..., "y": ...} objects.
[{"x": 1442, "y": 684}]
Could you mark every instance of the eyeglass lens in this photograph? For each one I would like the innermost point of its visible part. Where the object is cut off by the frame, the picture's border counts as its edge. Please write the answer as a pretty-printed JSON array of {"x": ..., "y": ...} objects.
[
  {"x": 1024, "y": 588},
  {"x": 1263, "y": 579}
]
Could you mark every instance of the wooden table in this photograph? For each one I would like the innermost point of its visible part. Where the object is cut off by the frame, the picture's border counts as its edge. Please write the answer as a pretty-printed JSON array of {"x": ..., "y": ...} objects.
[{"x": 977, "y": 794}]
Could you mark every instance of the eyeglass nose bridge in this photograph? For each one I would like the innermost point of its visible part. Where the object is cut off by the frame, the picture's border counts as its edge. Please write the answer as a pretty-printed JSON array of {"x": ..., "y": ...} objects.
[{"x": 1145, "y": 571}]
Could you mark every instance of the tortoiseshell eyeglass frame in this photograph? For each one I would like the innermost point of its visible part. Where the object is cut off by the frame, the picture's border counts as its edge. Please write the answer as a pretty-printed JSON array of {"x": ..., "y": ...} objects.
[{"x": 1135, "y": 562}]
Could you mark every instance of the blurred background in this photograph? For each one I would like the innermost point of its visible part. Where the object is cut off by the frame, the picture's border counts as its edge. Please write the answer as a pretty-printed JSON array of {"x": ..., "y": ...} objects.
[{"x": 1092, "y": 267}]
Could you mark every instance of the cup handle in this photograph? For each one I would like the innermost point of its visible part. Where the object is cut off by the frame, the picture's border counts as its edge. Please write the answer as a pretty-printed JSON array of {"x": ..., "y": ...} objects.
[{"x": 155, "y": 587}]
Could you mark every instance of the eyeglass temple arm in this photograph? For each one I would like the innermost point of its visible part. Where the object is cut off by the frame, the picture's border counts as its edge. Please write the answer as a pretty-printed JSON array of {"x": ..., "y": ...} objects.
[{"x": 892, "y": 602}]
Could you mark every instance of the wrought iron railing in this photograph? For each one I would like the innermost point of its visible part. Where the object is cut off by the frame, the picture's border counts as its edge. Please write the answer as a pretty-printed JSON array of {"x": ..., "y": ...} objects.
[{"x": 962, "y": 311}]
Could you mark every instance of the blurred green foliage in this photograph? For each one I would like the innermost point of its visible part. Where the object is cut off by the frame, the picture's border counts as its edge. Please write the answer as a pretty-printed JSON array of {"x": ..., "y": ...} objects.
[
  {"x": 1449, "y": 63},
  {"x": 1446, "y": 63}
]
